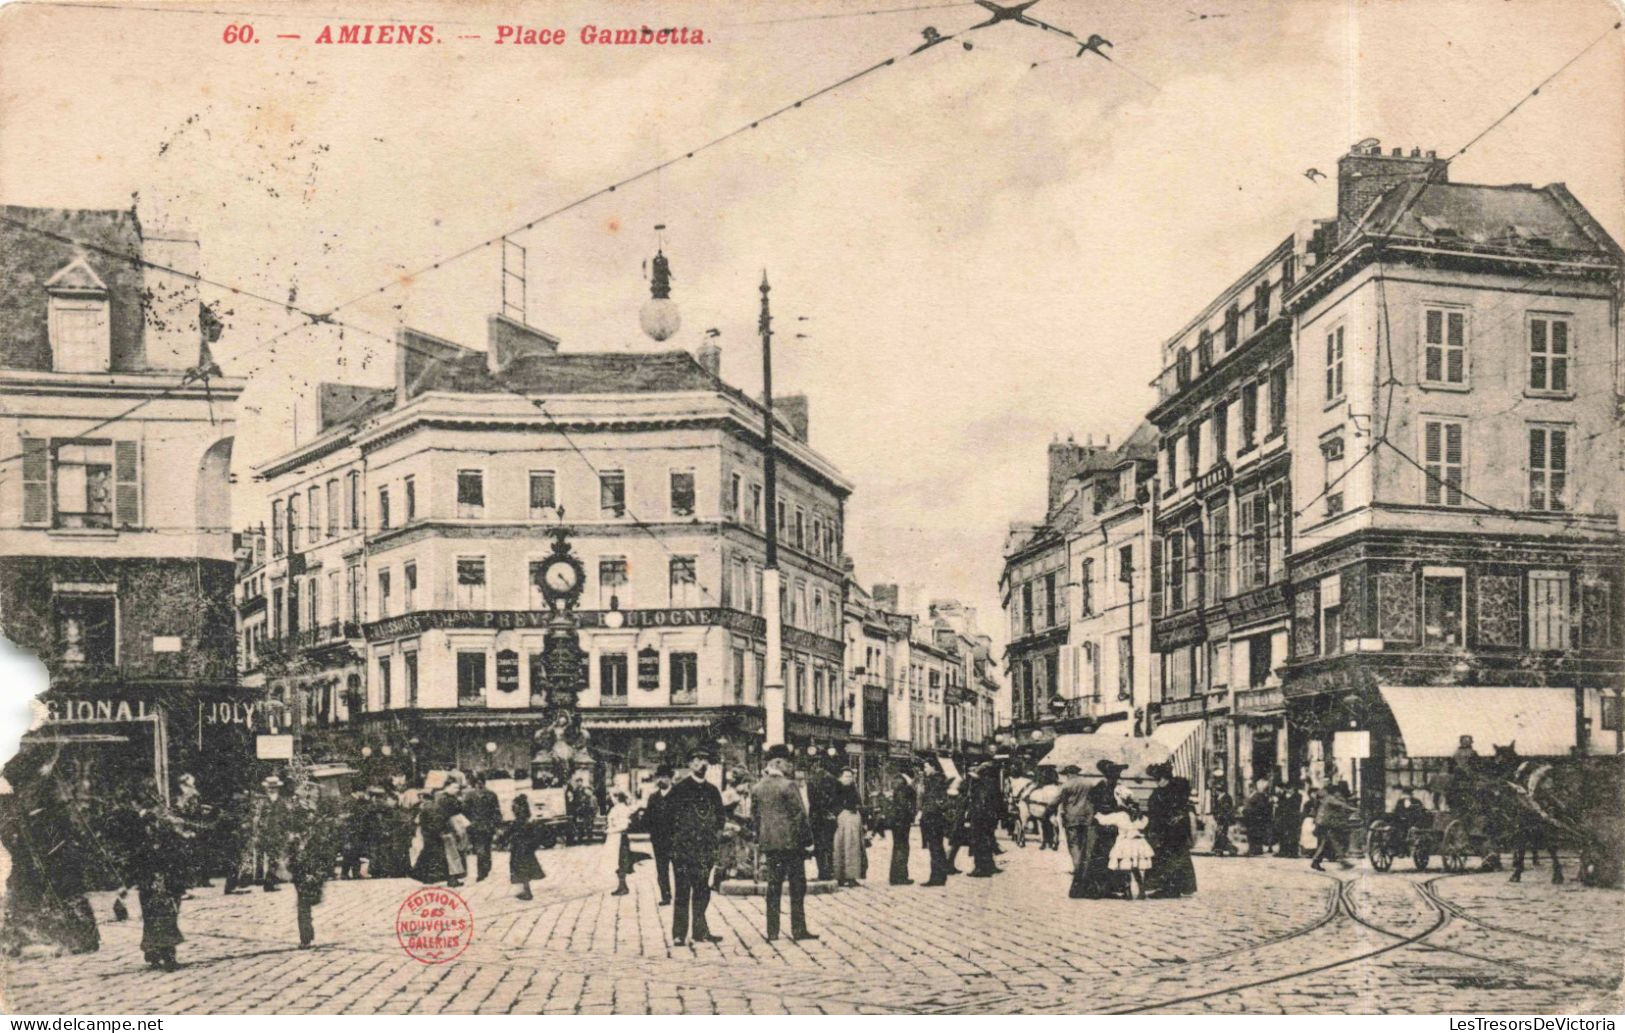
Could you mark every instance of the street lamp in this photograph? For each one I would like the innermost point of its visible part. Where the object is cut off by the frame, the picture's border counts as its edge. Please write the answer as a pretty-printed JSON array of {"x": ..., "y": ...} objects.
[{"x": 614, "y": 620}]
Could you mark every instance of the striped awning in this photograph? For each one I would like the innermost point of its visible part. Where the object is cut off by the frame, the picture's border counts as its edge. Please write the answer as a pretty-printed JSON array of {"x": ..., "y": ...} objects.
[{"x": 1184, "y": 742}]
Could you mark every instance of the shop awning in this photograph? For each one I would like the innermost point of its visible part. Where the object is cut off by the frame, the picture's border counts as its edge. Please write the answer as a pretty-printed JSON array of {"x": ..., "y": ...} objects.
[
  {"x": 1086, "y": 751},
  {"x": 1433, "y": 718},
  {"x": 594, "y": 722},
  {"x": 1183, "y": 740}
]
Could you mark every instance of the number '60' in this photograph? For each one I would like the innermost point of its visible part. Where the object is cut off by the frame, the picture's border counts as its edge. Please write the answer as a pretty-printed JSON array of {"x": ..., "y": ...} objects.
[{"x": 239, "y": 34}]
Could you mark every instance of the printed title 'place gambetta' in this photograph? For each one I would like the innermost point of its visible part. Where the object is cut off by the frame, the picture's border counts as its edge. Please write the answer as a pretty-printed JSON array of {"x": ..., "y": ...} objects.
[{"x": 521, "y": 35}]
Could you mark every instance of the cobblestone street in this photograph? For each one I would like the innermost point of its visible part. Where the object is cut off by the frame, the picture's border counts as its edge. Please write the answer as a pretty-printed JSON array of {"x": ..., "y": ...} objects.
[{"x": 1261, "y": 936}]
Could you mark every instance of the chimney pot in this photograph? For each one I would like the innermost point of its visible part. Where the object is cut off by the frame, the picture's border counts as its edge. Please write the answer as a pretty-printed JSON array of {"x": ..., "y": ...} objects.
[
  {"x": 1399, "y": 152},
  {"x": 1432, "y": 154},
  {"x": 1416, "y": 152}
]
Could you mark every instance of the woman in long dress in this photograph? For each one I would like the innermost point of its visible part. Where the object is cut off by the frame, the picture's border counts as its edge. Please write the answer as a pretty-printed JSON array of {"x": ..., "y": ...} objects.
[
  {"x": 522, "y": 843},
  {"x": 1168, "y": 829},
  {"x": 848, "y": 862},
  {"x": 617, "y": 852}
]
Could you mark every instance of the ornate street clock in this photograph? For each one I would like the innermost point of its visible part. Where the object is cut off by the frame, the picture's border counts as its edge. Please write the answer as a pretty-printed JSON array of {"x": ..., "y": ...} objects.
[{"x": 562, "y": 576}]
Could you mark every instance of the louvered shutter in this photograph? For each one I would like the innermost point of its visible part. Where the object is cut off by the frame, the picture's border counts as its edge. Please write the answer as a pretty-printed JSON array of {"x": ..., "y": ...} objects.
[
  {"x": 36, "y": 481},
  {"x": 1558, "y": 463},
  {"x": 127, "y": 483},
  {"x": 1432, "y": 454},
  {"x": 1537, "y": 468}
]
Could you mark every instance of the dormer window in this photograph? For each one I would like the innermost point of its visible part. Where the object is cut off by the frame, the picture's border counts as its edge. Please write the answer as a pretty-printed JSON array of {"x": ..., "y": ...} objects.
[{"x": 80, "y": 340}]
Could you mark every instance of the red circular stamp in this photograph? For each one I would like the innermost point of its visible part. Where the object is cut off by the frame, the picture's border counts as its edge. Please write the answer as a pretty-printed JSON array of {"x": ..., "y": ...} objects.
[{"x": 434, "y": 925}]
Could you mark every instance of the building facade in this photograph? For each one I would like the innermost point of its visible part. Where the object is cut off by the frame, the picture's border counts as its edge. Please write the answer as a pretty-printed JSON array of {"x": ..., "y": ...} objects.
[
  {"x": 1223, "y": 524},
  {"x": 1455, "y": 569},
  {"x": 655, "y": 466},
  {"x": 116, "y": 561}
]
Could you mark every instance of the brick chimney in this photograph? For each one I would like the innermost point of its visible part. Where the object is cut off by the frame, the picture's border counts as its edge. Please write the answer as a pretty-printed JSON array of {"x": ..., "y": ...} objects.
[
  {"x": 508, "y": 339},
  {"x": 1365, "y": 174},
  {"x": 793, "y": 408},
  {"x": 885, "y": 597}
]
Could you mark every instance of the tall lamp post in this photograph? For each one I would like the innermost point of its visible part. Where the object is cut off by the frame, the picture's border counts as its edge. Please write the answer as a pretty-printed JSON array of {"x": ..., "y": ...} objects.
[
  {"x": 562, "y": 745},
  {"x": 773, "y": 680}
]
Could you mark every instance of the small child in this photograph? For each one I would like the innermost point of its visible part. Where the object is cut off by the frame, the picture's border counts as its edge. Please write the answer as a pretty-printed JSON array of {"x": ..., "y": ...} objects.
[
  {"x": 617, "y": 852},
  {"x": 1130, "y": 853}
]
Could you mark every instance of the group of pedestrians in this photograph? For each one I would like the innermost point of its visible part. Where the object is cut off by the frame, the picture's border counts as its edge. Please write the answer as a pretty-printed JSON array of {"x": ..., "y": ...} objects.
[
  {"x": 1119, "y": 847},
  {"x": 1285, "y": 820}
]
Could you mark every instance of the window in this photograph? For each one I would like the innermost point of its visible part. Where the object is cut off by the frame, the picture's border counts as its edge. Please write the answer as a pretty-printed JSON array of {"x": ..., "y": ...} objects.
[
  {"x": 1170, "y": 466},
  {"x": 1125, "y": 565},
  {"x": 1249, "y": 416},
  {"x": 470, "y": 678},
  {"x": 79, "y": 335},
  {"x": 1261, "y": 305},
  {"x": 1278, "y": 531},
  {"x": 735, "y": 499},
  {"x": 1260, "y": 664},
  {"x": 1252, "y": 542},
  {"x": 1176, "y": 571},
  {"x": 1443, "y": 461},
  {"x": 1027, "y": 607},
  {"x": 409, "y": 669},
  {"x": 1331, "y": 614},
  {"x": 409, "y": 500},
  {"x": 1334, "y": 365},
  {"x": 685, "y": 584},
  {"x": 1232, "y": 327},
  {"x": 384, "y": 694},
  {"x": 84, "y": 482},
  {"x": 682, "y": 493},
  {"x": 1277, "y": 400},
  {"x": 86, "y": 628},
  {"x": 409, "y": 587},
  {"x": 383, "y": 594},
  {"x": 798, "y": 606},
  {"x": 612, "y": 581},
  {"x": 753, "y": 515},
  {"x": 1331, "y": 454},
  {"x": 1218, "y": 573},
  {"x": 817, "y": 537},
  {"x": 296, "y": 521},
  {"x": 471, "y": 583},
  {"x": 543, "y": 494},
  {"x": 611, "y": 494},
  {"x": 1289, "y": 271},
  {"x": 470, "y": 495},
  {"x": 1052, "y": 611},
  {"x": 276, "y": 613},
  {"x": 1125, "y": 667},
  {"x": 335, "y": 599},
  {"x": 383, "y": 509},
  {"x": 1444, "y": 346},
  {"x": 332, "y": 509},
  {"x": 313, "y": 498},
  {"x": 1548, "y": 468},
  {"x": 1193, "y": 452},
  {"x": 1549, "y": 354},
  {"x": 1204, "y": 351},
  {"x": 684, "y": 670},
  {"x": 354, "y": 482},
  {"x": 1548, "y": 610},
  {"x": 1443, "y": 612},
  {"x": 1086, "y": 588},
  {"x": 1221, "y": 432},
  {"x": 277, "y": 531},
  {"x": 356, "y": 591},
  {"x": 1183, "y": 367},
  {"x": 801, "y": 529}
]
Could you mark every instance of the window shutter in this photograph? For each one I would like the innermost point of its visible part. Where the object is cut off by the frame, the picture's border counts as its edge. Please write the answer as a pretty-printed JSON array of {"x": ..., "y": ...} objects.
[
  {"x": 1452, "y": 458},
  {"x": 127, "y": 482},
  {"x": 36, "y": 481}
]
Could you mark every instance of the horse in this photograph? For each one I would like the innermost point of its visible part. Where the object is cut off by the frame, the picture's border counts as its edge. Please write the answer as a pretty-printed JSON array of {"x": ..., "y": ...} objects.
[{"x": 1532, "y": 794}]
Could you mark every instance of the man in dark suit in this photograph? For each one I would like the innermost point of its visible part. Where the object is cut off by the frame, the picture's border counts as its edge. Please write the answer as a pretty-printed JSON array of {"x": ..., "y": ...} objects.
[
  {"x": 695, "y": 811},
  {"x": 900, "y": 821},
  {"x": 934, "y": 822},
  {"x": 783, "y": 836},
  {"x": 821, "y": 788},
  {"x": 484, "y": 814},
  {"x": 984, "y": 808},
  {"x": 657, "y": 819}
]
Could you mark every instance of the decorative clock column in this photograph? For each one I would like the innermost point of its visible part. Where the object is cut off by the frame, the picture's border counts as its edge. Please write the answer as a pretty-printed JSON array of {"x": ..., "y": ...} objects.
[{"x": 562, "y": 745}]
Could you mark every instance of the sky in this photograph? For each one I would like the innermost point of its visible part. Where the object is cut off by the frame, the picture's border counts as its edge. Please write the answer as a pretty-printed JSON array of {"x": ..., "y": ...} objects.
[{"x": 989, "y": 254}]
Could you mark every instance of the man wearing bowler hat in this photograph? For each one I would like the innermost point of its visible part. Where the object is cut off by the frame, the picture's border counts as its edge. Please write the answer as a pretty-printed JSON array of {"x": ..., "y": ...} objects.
[
  {"x": 694, "y": 808},
  {"x": 783, "y": 836}
]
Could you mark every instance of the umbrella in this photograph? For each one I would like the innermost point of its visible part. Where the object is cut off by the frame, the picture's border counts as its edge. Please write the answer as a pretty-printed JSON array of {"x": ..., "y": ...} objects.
[{"x": 1086, "y": 751}]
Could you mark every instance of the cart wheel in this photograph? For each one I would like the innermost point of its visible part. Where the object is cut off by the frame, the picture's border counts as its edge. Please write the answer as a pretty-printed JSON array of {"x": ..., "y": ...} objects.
[
  {"x": 1019, "y": 833},
  {"x": 1454, "y": 846},
  {"x": 1378, "y": 851},
  {"x": 1420, "y": 857},
  {"x": 546, "y": 838}
]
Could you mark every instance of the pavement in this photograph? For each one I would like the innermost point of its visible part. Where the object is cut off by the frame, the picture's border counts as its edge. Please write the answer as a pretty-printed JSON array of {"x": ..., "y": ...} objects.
[{"x": 1262, "y": 935}]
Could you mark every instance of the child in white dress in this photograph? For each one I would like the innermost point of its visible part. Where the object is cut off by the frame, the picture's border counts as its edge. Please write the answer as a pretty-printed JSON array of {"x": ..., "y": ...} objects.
[{"x": 1130, "y": 853}]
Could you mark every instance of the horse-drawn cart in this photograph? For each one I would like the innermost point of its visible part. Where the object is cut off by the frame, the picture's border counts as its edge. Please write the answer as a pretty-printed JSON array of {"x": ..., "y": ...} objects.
[{"x": 1449, "y": 836}]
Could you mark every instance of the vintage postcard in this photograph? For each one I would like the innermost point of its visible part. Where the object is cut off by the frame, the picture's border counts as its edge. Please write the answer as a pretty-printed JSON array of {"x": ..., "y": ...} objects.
[{"x": 837, "y": 507}]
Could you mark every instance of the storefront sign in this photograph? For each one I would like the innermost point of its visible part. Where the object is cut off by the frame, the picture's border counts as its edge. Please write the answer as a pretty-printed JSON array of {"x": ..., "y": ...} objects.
[
  {"x": 507, "y": 670},
  {"x": 94, "y": 710},
  {"x": 648, "y": 669},
  {"x": 229, "y": 713},
  {"x": 1351, "y": 745},
  {"x": 273, "y": 747}
]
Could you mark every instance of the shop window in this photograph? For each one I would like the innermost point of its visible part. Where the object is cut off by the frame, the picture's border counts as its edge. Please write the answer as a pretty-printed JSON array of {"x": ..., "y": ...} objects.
[
  {"x": 470, "y": 679},
  {"x": 86, "y": 628},
  {"x": 1443, "y": 610},
  {"x": 684, "y": 672}
]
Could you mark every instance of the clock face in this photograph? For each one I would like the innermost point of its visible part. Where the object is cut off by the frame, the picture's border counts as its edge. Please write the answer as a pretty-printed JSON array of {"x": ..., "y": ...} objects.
[{"x": 561, "y": 577}]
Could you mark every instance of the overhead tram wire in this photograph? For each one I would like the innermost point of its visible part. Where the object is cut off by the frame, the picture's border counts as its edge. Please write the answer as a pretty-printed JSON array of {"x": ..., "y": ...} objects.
[{"x": 637, "y": 176}]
